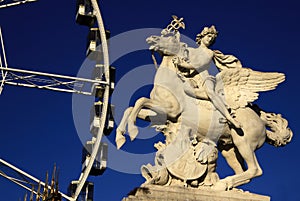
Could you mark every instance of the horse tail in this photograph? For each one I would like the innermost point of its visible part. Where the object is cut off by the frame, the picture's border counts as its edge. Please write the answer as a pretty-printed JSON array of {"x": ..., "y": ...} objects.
[{"x": 278, "y": 133}]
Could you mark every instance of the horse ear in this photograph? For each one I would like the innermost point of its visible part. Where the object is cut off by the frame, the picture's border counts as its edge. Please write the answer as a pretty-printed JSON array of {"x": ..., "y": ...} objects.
[{"x": 174, "y": 17}]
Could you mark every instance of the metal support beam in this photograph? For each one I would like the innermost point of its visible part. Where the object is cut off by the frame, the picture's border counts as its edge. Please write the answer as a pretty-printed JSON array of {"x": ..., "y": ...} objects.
[
  {"x": 16, "y": 3},
  {"x": 17, "y": 181},
  {"x": 33, "y": 79}
]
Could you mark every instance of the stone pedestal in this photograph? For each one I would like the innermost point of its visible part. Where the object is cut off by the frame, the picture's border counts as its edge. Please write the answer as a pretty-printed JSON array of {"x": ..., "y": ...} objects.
[{"x": 174, "y": 193}]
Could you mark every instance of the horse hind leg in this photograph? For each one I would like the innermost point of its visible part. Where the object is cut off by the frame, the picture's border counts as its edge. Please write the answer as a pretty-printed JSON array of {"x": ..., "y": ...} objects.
[
  {"x": 232, "y": 157},
  {"x": 253, "y": 168}
]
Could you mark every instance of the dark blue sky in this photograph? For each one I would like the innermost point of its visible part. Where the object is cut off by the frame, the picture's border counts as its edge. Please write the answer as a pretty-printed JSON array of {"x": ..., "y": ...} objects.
[{"x": 37, "y": 127}]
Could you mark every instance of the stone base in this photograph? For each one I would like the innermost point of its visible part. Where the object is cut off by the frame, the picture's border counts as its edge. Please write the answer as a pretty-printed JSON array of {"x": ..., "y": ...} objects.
[{"x": 174, "y": 193}]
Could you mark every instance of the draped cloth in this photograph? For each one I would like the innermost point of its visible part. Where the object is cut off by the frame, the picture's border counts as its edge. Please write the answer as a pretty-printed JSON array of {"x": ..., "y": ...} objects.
[{"x": 223, "y": 61}]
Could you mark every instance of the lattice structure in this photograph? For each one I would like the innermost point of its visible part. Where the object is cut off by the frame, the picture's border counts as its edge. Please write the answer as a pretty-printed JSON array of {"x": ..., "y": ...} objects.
[
  {"x": 100, "y": 85},
  {"x": 34, "y": 79}
]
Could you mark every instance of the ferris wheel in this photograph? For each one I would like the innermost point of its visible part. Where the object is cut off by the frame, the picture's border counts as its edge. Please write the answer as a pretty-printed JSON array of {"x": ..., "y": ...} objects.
[{"x": 100, "y": 86}]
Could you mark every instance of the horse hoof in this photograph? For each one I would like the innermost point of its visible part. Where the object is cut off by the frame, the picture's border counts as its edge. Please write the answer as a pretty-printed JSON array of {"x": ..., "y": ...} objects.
[
  {"x": 132, "y": 131},
  {"x": 120, "y": 131},
  {"x": 120, "y": 139},
  {"x": 220, "y": 186}
]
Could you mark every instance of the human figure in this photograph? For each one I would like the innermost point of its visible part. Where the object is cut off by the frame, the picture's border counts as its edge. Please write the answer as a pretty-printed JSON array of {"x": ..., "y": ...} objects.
[{"x": 198, "y": 62}]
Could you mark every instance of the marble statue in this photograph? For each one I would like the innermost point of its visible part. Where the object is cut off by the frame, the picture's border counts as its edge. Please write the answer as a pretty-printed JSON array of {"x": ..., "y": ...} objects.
[{"x": 201, "y": 114}]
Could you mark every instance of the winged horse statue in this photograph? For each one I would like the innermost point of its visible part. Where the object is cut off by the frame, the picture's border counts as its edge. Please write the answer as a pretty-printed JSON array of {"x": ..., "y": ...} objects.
[{"x": 196, "y": 126}]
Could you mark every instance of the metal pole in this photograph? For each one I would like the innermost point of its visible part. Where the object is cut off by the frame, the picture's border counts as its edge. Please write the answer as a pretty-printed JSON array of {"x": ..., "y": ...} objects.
[
  {"x": 5, "y": 62},
  {"x": 2, "y": 45},
  {"x": 23, "y": 186}
]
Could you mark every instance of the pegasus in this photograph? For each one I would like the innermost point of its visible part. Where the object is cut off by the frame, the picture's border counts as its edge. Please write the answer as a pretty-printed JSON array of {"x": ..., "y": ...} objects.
[{"x": 195, "y": 119}]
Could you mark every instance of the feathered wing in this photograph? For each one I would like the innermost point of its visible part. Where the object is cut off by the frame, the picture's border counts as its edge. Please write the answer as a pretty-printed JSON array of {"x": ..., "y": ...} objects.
[{"x": 241, "y": 85}]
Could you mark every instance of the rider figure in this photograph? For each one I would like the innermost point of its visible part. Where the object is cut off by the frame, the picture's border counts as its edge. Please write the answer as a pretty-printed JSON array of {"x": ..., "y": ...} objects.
[{"x": 203, "y": 84}]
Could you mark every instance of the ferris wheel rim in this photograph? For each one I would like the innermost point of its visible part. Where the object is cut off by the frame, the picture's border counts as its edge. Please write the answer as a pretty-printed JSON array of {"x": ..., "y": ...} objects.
[{"x": 84, "y": 175}]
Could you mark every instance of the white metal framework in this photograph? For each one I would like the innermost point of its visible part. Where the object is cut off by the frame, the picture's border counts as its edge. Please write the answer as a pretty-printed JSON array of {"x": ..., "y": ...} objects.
[
  {"x": 24, "y": 179},
  {"x": 33, "y": 79},
  {"x": 4, "y": 63},
  {"x": 40, "y": 80}
]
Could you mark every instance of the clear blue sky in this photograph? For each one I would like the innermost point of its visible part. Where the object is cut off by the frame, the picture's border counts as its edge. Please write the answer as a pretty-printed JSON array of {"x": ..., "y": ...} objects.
[{"x": 37, "y": 127}]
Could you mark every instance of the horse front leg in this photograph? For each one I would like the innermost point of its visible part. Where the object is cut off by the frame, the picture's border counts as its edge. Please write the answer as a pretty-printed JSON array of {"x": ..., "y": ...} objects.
[
  {"x": 140, "y": 103},
  {"x": 121, "y": 130}
]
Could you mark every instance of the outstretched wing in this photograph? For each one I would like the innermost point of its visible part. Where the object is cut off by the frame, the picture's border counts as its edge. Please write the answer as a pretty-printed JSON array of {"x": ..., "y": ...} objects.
[{"x": 241, "y": 85}]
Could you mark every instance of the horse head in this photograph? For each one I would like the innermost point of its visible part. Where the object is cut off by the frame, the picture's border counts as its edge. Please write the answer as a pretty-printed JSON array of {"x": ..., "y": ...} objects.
[{"x": 166, "y": 44}]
